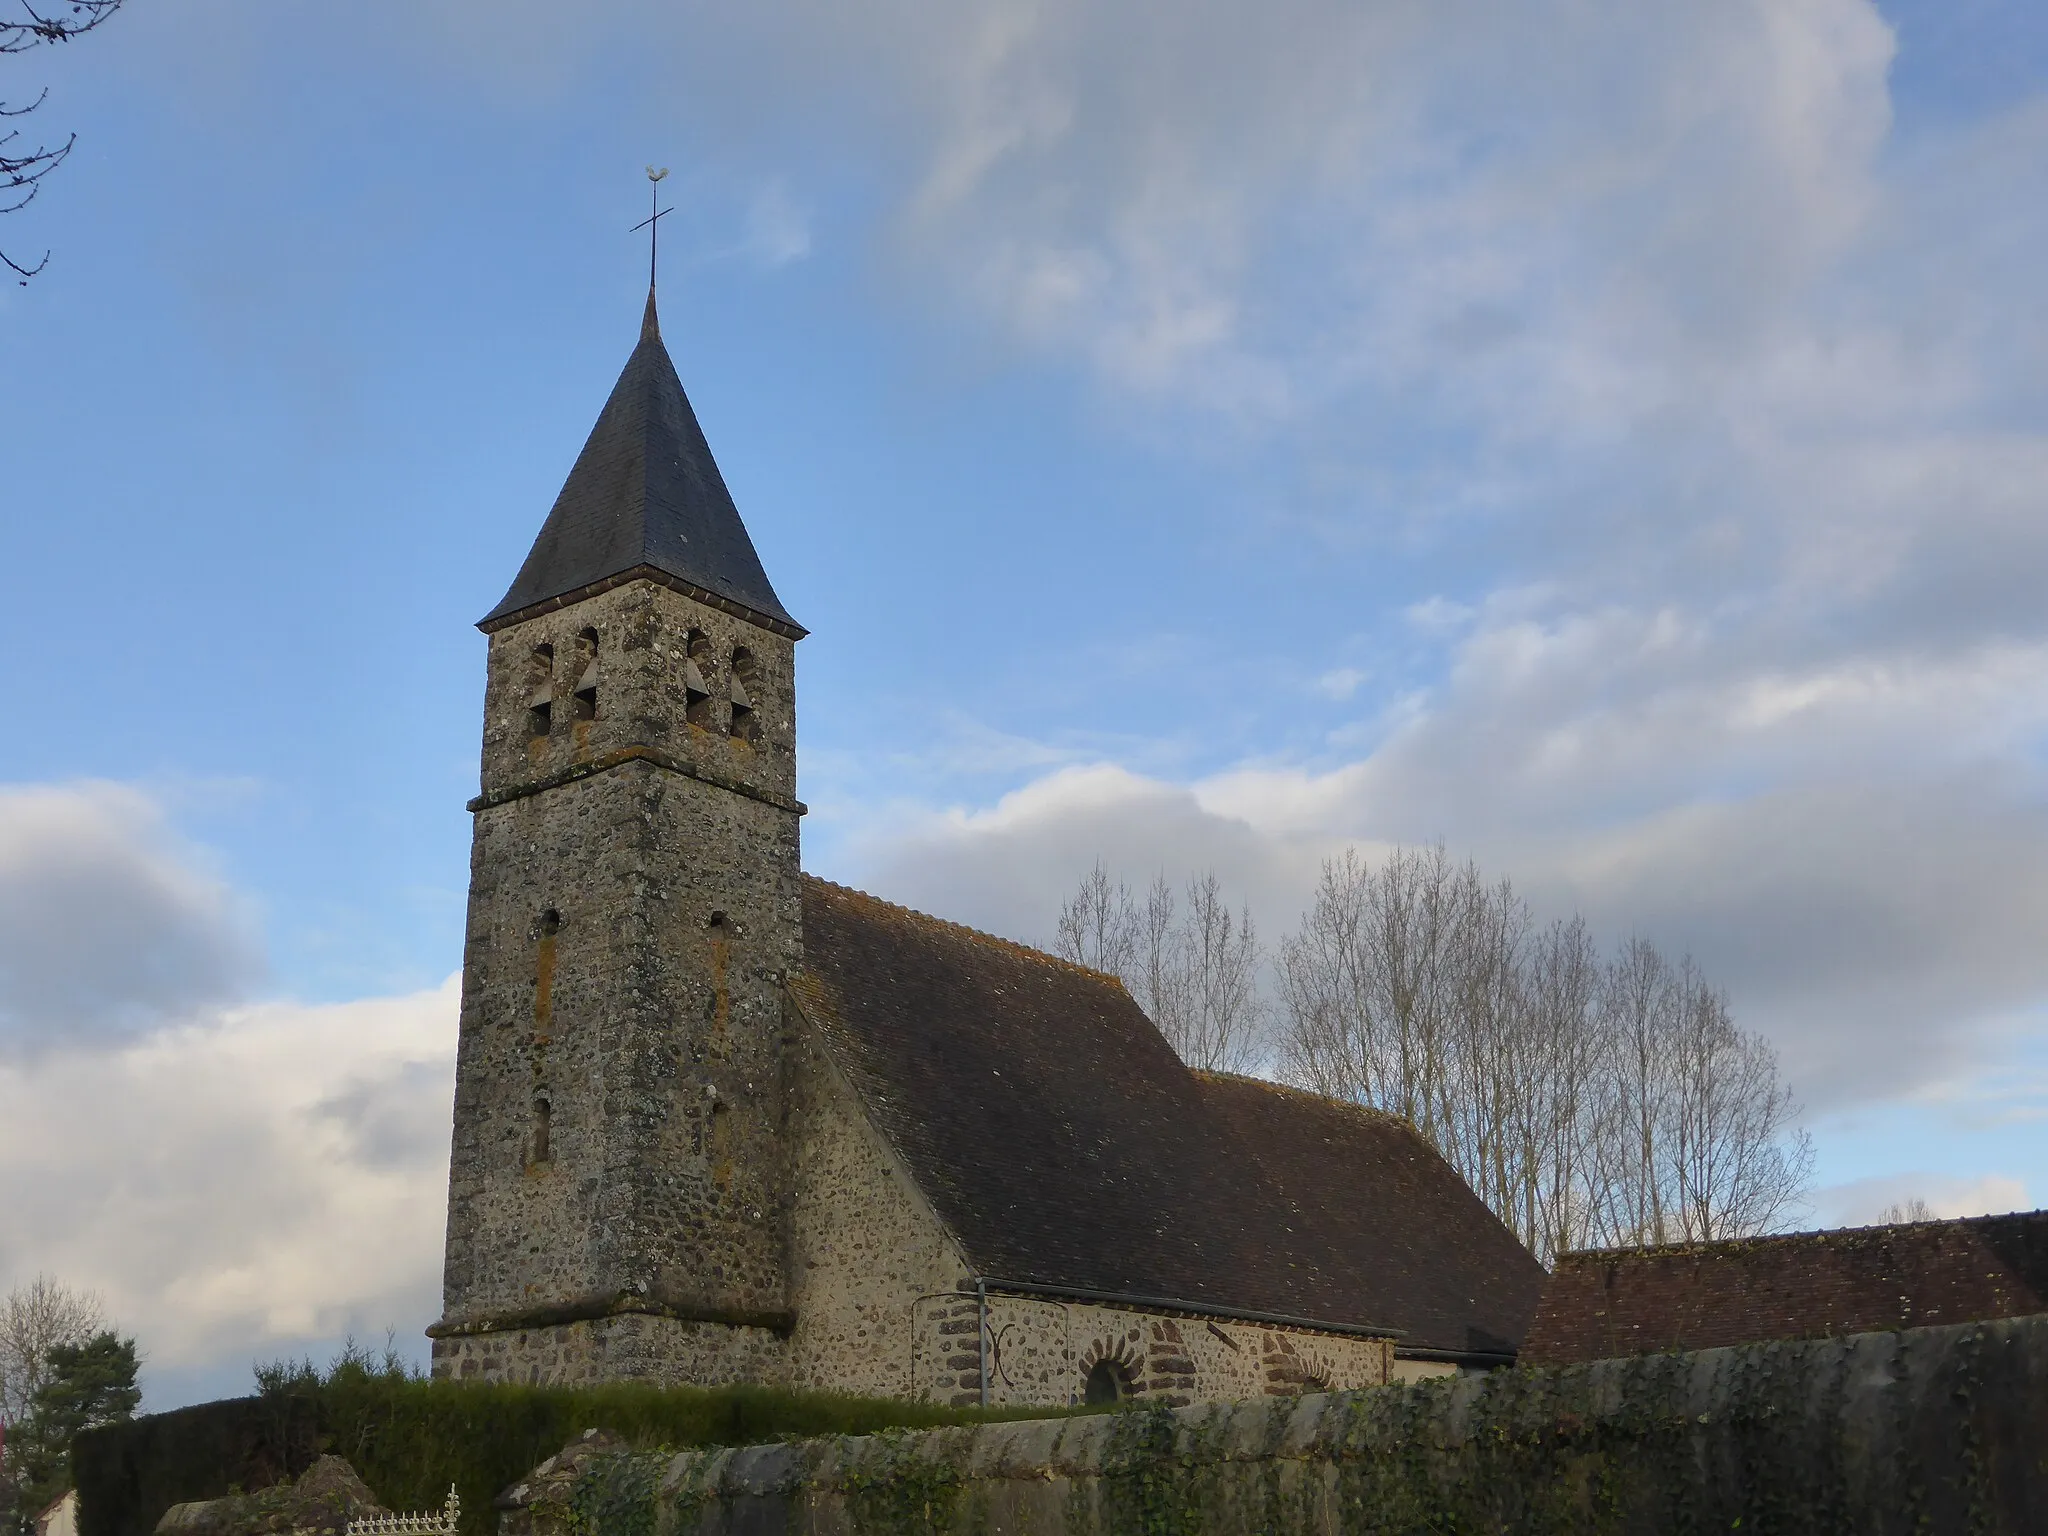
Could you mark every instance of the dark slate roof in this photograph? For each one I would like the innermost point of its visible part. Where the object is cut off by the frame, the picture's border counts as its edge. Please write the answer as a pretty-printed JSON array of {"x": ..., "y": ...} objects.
[
  {"x": 645, "y": 498},
  {"x": 1632, "y": 1301},
  {"x": 1063, "y": 1143}
]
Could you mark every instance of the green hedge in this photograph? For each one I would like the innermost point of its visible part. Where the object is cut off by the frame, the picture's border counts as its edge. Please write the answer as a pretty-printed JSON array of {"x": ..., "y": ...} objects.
[
  {"x": 128, "y": 1474},
  {"x": 409, "y": 1439}
]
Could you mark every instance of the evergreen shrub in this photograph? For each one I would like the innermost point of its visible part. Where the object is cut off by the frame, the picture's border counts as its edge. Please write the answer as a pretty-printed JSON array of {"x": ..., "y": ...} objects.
[{"x": 409, "y": 1438}]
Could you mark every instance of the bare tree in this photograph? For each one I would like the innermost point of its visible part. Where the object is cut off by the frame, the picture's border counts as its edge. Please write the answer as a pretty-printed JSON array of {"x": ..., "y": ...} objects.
[
  {"x": 1900, "y": 1212},
  {"x": 1098, "y": 928},
  {"x": 22, "y": 168},
  {"x": 1556, "y": 1117},
  {"x": 1328, "y": 973},
  {"x": 1399, "y": 991},
  {"x": 1194, "y": 972},
  {"x": 1220, "y": 1011},
  {"x": 1154, "y": 975},
  {"x": 1638, "y": 1015},
  {"x": 1735, "y": 1160},
  {"x": 1585, "y": 1104},
  {"x": 34, "y": 1319}
]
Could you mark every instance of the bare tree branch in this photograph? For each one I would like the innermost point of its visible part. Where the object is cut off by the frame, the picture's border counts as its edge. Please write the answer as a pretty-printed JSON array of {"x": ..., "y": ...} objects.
[
  {"x": 23, "y": 168},
  {"x": 1098, "y": 928},
  {"x": 1585, "y": 1104},
  {"x": 34, "y": 1319},
  {"x": 1196, "y": 975},
  {"x": 1222, "y": 1015},
  {"x": 31, "y": 28}
]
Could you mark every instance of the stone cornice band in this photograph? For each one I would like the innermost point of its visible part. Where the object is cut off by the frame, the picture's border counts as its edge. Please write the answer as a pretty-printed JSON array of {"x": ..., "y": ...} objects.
[
  {"x": 625, "y": 755},
  {"x": 660, "y": 578},
  {"x": 596, "y": 1307}
]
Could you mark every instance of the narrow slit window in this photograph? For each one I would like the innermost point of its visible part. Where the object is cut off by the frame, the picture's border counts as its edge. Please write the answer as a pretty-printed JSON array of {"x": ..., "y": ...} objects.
[
  {"x": 543, "y": 1116},
  {"x": 586, "y": 675},
  {"x": 721, "y": 1145},
  {"x": 746, "y": 689},
  {"x": 721, "y": 961},
  {"x": 697, "y": 665},
  {"x": 544, "y": 972},
  {"x": 540, "y": 691}
]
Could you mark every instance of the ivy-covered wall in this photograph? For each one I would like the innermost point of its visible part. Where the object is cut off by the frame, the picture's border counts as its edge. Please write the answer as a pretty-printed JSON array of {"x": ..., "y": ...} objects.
[{"x": 1933, "y": 1430}]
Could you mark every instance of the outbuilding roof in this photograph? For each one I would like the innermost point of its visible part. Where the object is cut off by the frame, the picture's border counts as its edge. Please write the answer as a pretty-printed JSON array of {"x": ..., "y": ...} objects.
[
  {"x": 1064, "y": 1144},
  {"x": 1804, "y": 1285},
  {"x": 645, "y": 498}
]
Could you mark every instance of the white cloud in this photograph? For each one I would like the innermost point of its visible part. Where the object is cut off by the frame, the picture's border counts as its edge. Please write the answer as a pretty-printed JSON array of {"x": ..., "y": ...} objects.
[
  {"x": 1884, "y": 933},
  {"x": 1007, "y": 868},
  {"x": 1144, "y": 184},
  {"x": 236, "y": 1178},
  {"x": 1437, "y": 615},
  {"x": 244, "y": 1182},
  {"x": 109, "y": 923},
  {"x": 1864, "y": 1201},
  {"x": 1720, "y": 394},
  {"x": 1340, "y": 683},
  {"x": 778, "y": 231}
]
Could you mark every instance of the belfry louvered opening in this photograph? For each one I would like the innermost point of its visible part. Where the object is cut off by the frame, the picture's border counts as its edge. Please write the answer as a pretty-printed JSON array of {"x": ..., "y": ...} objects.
[
  {"x": 540, "y": 691},
  {"x": 697, "y": 669},
  {"x": 585, "y": 700},
  {"x": 745, "y": 689}
]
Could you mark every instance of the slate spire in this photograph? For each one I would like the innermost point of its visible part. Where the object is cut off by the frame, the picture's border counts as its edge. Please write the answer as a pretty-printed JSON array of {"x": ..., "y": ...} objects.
[{"x": 645, "y": 498}]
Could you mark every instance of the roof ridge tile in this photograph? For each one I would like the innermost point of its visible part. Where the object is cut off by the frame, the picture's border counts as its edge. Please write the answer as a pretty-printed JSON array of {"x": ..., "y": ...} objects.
[
  {"x": 979, "y": 935},
  {"x": 1368, "y": 1112},
  {"x": 1845, "y": 1236}
]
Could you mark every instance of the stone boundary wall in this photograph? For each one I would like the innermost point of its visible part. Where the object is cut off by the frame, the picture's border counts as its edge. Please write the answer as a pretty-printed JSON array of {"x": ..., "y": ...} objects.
[{"x": 1932, "y": 1430}]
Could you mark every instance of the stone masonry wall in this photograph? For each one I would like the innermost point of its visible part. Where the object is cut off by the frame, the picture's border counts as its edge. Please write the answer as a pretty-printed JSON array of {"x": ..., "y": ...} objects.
[
  {"x": 1936, "y": 1430},
  {"x": 626, "y": 1347},
  {"x": 864, "y": 1245},
  {"x": 634, "y": 908},
  {"x": 1041, "y": 1352}
]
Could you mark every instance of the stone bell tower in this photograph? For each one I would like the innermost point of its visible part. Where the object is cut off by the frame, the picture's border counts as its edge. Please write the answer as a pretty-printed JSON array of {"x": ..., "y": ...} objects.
[{"x": 617, "y": 1190}]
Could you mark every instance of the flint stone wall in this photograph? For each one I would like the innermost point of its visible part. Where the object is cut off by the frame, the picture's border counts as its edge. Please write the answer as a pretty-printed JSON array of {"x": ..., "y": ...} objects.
[
  {"x": 629, "y": 1346},
  {"x": 884, "y": 1306},
  {"x": 634, "y": 907},
  {"x": 1040, "y": 1354},
  {"x": 1932, "y": 1430}
]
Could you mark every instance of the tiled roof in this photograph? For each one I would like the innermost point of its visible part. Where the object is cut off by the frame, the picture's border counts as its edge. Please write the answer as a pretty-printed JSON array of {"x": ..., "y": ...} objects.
[
  {"x": 645, "y": 497},
  {"x": 1406, "y": 1230},
  {"x": 1807, "y": 1285},
  {"x": 1064, "y": 1144}
]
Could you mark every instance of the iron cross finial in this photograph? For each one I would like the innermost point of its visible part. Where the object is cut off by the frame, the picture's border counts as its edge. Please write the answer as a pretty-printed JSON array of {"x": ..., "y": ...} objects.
[{"x": 652, "y": 223}]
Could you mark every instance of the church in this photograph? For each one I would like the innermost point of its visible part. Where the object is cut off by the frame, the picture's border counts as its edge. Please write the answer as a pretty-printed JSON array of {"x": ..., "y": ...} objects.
[{"x": 719, "y": 1121}]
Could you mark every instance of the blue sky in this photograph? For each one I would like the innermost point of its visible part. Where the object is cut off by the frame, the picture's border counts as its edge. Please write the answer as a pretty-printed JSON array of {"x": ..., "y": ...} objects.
[{"x": 1609, "y": 438}]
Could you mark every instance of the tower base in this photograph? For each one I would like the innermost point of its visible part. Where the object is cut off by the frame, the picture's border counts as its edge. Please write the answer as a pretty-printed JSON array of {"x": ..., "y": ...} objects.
[{"x": 631, "y": 1346}]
